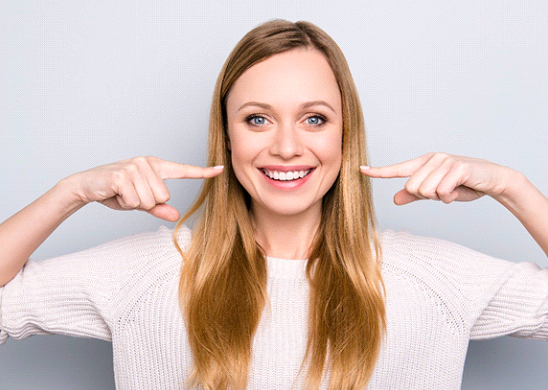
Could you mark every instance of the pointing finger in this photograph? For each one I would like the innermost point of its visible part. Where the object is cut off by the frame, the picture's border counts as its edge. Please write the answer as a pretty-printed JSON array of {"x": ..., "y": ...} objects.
[
  {"x": 403, "y": 169},
  {"x": 173, "y": 170}
]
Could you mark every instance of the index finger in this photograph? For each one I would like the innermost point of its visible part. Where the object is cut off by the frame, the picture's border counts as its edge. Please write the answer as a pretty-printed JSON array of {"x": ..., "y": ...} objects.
[
  {"x": 403, "y": 169},
  {"x": 173, "y": 170}
]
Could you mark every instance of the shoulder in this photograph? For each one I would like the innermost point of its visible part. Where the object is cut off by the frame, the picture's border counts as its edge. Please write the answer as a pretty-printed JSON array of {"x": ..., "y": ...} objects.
[
  {"x": 155, "y": 248},
  {"x": 439, "y": 264},
  {"x": 149, "y": 281},
  {"x": 403, "y": 249},
  {"x": 127, "y": 259},
  {"x": 147, "y": 245}
]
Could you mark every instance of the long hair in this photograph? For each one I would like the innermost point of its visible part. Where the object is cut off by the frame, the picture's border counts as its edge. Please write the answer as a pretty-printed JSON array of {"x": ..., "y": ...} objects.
[{"x": 222, "y": 289}]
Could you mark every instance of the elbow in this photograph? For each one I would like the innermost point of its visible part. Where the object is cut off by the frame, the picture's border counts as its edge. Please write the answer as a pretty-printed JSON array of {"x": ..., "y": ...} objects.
[{"x": 7, "y": 274}]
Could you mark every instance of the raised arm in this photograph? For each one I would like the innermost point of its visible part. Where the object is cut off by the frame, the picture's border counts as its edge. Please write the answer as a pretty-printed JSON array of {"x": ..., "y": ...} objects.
[
  {"x": 126, "y": 185},
  {"x": 449, "y": 178}
]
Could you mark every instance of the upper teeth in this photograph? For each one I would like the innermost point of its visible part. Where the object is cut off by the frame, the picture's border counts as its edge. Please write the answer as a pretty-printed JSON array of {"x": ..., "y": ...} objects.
[{"x": 277, "y": 175}]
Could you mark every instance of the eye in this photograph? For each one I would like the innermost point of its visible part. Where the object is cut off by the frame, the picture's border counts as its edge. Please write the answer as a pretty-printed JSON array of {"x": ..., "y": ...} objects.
[
  {"x": 316, "y": 120},
  {"x": 256, "y": 120}
]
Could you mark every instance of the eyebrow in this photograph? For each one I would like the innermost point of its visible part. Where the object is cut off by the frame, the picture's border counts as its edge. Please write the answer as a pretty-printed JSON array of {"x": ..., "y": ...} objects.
[{"x": 303, "y": 106}]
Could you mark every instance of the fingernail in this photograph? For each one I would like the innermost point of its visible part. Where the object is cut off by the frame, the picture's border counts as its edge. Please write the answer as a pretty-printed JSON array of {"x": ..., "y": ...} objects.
[
  {"x": 218, "y": 167},
  {"x": 364, "y": 167}
]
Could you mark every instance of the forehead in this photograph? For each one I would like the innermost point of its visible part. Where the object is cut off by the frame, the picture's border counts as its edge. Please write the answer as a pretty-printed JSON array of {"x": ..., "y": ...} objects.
[{"x": 287, "y": 79}]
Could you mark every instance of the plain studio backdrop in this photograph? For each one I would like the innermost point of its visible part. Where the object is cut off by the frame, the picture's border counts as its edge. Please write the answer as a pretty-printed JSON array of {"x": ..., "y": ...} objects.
[{"x": 86, "y": 83}]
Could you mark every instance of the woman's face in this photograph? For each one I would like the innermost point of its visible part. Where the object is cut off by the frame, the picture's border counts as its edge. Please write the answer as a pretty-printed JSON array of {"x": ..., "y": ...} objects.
[{"x": 285, "y": 131}]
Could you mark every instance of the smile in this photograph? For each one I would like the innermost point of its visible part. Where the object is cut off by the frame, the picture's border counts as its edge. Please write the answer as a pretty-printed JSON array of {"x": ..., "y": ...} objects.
[{"x": 286, "y": 176}]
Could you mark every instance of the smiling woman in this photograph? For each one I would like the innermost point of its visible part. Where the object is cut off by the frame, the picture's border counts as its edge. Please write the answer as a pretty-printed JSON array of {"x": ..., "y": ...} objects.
[
  {"x": 285, "y": 102},
  {"x": 279, "y": 283},
  {"x": 284, "y": 115}
]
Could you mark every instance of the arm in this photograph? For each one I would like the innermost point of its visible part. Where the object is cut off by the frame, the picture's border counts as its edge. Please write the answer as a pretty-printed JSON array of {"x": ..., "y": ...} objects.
[
  {"x": 24, "y": 232},
  {"x": 529, "y": 205},
  {"x": 448, "y": 178},
  {"x": 126, "y": 185}
]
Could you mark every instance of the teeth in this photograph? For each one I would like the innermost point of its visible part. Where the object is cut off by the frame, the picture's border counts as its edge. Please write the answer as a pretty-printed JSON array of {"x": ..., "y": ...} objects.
[{"x": 286, "y": 176}]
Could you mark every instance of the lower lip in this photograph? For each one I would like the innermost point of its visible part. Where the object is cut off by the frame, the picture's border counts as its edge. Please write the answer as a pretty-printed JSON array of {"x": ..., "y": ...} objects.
[{"x": 287, "y": 184}]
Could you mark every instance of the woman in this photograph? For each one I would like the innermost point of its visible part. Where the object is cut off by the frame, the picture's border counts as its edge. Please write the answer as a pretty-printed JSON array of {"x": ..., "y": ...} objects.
[{"x": 283, "y": 269}]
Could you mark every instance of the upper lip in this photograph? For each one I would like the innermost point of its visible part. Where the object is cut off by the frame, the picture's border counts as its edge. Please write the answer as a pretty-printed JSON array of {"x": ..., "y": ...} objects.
[{"x": 286, "y": 168}]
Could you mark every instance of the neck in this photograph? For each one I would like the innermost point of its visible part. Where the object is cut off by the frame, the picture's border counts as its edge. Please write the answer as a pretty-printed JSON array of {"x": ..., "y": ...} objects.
[{"x": 286, "y": 236}]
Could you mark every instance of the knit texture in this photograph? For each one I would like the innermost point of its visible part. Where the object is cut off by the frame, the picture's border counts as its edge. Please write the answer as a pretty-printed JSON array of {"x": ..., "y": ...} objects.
[{"x": 439, "y": 295}]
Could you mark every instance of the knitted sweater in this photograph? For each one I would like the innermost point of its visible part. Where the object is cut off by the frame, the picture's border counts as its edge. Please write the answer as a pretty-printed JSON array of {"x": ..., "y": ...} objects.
[{"x": 439, "y": 295}]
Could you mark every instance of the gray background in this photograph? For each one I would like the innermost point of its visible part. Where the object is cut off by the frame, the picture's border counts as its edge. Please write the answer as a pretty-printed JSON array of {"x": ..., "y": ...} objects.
[{"x": 85, "y": 83}]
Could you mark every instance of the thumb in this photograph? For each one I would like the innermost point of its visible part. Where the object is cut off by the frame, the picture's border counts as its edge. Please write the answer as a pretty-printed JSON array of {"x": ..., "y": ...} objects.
[
  {"x": 164, "y": 211},
  {"x": 403, "y": 197}
]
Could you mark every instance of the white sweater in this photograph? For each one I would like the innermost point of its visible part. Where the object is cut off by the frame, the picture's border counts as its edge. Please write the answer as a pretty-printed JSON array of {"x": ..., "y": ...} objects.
[{"x": 439, "y": 295}]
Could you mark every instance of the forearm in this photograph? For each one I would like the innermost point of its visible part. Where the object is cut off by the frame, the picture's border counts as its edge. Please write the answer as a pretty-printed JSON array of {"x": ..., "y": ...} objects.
[
  {"x": 529, "y": 205},
  {"x": 24, "y": 232},
  {"x": 135, "y": 183}
]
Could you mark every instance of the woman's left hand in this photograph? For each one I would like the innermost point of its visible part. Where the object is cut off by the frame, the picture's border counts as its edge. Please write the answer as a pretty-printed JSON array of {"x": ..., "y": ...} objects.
[{"x": 445, "y": 177}]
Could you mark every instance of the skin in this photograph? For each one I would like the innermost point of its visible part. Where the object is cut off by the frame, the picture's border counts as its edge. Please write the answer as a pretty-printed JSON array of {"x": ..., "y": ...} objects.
[
  {"x": 285, "y": 224},
  {"x": 134, "y": 184},
  {"x": 440, "y": 176},
  {"x": 286, "y": 111}
]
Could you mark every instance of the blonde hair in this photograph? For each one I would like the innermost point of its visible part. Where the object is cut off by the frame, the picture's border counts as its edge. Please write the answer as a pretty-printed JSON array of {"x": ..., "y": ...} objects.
[{"x": 222, "y": 289}]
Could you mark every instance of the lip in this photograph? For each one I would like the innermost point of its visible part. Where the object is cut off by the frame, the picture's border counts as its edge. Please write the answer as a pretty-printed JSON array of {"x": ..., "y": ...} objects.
[
  {"x": 287, "y": 185},
  {"x": 287, "y": 168}
]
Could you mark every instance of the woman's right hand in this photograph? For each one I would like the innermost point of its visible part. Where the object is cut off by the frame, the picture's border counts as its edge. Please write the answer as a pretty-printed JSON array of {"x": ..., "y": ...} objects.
[{"x": 135, "y": 184}]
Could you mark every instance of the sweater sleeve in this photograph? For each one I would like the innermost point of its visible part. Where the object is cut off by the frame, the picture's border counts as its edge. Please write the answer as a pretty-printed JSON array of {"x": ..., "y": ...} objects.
[
  {"x": 501, "y": 298},
  {"x": 64, "y": 295},
  {"x": 77, "y": 294},
  {"x": 518, "y": 305},
  {"x": 487, "y": 296}
]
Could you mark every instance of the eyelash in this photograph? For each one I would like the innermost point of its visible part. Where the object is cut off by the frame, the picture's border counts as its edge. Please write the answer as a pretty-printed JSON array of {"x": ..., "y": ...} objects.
[
  {"x": 253, "y": 116},
  {"x": 322, "y": 119}
]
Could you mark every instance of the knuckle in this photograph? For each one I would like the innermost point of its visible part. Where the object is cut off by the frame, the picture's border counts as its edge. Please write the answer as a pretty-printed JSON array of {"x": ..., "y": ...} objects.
[
  {"x": 132, "y": 204},
  {"x": 425, "y": 193},
  {"x": 444, "y": 195},
  {"x": 429, "y": 156},
  {"x": 449, "y": 163},
  {"x": 163, "y": 197},
  {"x": 119, "y": 176},
  {"x": 131, "y": 169},
  {"x": 460, "y": 166},
  {"x": 147, "y": 205},
  {"x": 410, "y": 187},
  {"x": 185, "y": 169},
  {"x": 443, "y": 191},
  {"x": 139, "y": 160},
  {"x": 441, "y": 155},
  {"x": 446, "y": 200}
]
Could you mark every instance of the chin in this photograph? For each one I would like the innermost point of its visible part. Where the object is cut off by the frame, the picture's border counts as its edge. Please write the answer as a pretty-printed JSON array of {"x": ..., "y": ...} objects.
[{"x": 287, "y": 210}]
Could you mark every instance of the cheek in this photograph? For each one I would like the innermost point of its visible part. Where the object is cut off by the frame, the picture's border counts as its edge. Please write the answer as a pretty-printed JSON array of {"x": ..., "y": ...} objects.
[
  {"x": 241, "y": 148},
  {"x": 238, "y": 167},
  {"x": 242, "y": 155},
  {"x": 329, "y": 149}
]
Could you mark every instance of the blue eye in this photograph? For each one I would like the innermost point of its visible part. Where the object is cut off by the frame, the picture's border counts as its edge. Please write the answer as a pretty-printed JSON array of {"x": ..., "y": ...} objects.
[
  {"x": 315, "y": 120},
  {"x": 256, "y": 120}
]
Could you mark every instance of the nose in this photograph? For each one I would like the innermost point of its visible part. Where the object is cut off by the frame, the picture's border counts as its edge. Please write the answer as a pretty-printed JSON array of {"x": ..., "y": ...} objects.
[{"x": 286, "y": 142}]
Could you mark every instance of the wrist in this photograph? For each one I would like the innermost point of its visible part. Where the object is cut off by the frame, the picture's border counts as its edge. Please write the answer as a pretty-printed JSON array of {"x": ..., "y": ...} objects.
[
  {"x": 67, "y": 193},
  {"x": 515, "y": 191}
]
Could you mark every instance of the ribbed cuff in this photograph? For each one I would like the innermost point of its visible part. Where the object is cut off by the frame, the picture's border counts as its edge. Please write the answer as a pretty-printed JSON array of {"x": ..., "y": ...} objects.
[{"x": 3, "y": 335}]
